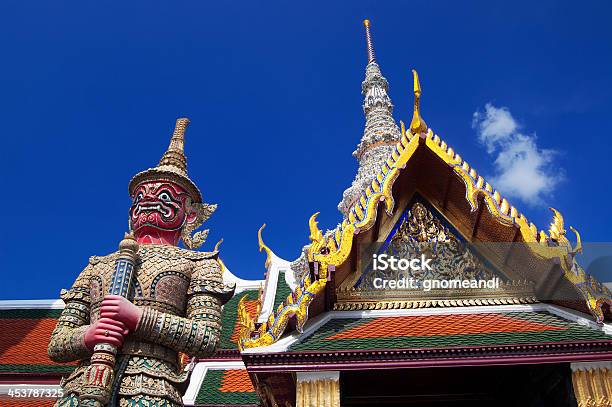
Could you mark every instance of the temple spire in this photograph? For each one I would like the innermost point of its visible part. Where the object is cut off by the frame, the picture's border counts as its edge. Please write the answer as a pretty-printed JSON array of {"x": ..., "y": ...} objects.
[
  {"x": 380, "y": 134},
  {"x": 371, "y": 56},
  {"x": 417, "y": 125}
]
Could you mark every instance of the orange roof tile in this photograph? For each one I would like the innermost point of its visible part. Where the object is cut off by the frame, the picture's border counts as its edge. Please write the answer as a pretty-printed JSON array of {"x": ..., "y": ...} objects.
[
  {"x": 25, "y": 341},
  {"x": 236, "y": 380},
  {"x": 432, "y": 325},
  {"x": 6, "y": 401}
]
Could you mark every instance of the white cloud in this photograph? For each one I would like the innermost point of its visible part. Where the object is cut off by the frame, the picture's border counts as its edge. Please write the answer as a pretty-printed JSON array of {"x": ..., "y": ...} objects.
[
  {"x": 522, "y": 170},
  {"x": 494, "y": 126}
]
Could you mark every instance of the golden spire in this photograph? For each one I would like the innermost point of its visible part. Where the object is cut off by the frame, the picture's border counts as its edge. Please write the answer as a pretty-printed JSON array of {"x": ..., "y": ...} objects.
[
  {"x": 371, "y": 56},
  {"x": 417, "y": 125}
]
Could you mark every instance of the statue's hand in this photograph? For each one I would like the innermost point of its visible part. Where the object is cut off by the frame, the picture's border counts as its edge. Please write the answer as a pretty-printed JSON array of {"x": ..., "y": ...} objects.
[
  {"x": 121, "y": 309},
  {"x": 105, "y": 330}
]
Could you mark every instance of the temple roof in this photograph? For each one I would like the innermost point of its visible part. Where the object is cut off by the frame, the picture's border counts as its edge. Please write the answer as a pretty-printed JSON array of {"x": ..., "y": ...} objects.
[
  {"x": 448, "y": 330},
  {"x": 424, "y": 163},
  {"x": 484, "y": 335}
]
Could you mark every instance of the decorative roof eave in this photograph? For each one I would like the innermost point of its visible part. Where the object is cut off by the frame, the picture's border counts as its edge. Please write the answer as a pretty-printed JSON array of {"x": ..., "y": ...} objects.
[
  {"x": 575, "y": 351},
  {"x": 509, "y": 293},
  {"x": 335, "y": 250},
  {"x": 276, "y": 268},
  {"x": 314, "y": 324},
  {"x": 407, "y": 304}
]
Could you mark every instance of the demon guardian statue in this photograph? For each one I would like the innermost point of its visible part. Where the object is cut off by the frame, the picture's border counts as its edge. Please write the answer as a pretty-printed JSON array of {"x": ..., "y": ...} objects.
[{"x": 130, "y": 313}]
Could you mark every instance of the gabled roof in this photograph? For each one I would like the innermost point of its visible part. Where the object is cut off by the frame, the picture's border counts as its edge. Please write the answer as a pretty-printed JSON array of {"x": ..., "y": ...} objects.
[
  {"x": 504, "y": 221},
  {"x": 434, "y": 337}
]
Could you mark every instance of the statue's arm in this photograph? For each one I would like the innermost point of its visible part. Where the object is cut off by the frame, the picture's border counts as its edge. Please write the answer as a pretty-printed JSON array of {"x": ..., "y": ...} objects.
[
  {"x": 68, "y": 339},
  {"x": 197, "y": 334}
]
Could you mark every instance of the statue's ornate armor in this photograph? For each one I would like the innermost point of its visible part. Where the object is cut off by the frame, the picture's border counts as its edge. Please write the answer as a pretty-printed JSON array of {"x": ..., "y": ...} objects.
[{"x": 181, "y": 293}]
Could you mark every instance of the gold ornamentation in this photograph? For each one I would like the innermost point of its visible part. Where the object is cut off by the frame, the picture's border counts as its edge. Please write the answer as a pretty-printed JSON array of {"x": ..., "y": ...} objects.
[
  {"x": 363, "y": 214},
  {"x": 315, "y": 393},
  {"x": 217, "y": 245},
  {"x": 417, "y": 125},
  {"x": 371, "y": 56},
  {"x": 316, "y": 236},
  {"x": 262, "y": 246},
  {"x": 245, "y": 323},
  {"x": 296, "y": 304},
  {"x": 431, "y": 303},
  {"x": 219, "y": 261},
  {"x": 593, "y": 387},
  {"x": 422, "y": 233},
  {"x": 541, "y": 244},
  {"x": 556, "y": 245}
]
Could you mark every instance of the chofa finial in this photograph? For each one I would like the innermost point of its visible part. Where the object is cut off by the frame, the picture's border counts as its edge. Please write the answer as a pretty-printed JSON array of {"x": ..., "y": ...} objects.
[
  {"x": 417, "y": 125},
  {"x": 371, "y": 56}
]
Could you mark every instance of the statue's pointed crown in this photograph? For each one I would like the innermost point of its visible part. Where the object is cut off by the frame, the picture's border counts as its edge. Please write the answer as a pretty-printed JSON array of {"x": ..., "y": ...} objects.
[{"x": 172, "y": 166}]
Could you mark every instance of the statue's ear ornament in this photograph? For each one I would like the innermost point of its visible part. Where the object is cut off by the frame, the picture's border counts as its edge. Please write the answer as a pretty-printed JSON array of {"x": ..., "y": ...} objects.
[{"x": 203, "y": 211}]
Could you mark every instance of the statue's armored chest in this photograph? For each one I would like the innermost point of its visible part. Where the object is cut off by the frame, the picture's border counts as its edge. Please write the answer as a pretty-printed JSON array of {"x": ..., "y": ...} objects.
[{"x": 161, "y": 280}]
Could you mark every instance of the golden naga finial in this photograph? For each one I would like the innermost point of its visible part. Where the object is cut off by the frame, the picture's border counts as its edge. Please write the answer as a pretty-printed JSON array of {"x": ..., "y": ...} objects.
[
  {"x": 315, "y": 233},
  {"x": 245, "y": 323},
  {"x": 219, "y": 261},
  {"x": 262, "y": 245},
  {"x": 557, "y": 233},
  {"x": 216, "y": 249},
  {"x": 578, "y": 247},
  {"x": 557, "y": 226},
  {"x": 417, "y": 125},
  {"x": 316, "y": 237},
  {"x": 403, "y": 127},
  {"x": 371, "y": 56}
]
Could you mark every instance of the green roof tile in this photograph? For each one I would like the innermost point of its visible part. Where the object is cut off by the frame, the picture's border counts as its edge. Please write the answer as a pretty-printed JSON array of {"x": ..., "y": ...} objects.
[
  {"x": 37, "y": 368},
  {"x": 30, "y": 313},
  {"x": 210, "y": 394},
  {"x": 570, "y": 331},
  {"x": 282, "y": 290}
]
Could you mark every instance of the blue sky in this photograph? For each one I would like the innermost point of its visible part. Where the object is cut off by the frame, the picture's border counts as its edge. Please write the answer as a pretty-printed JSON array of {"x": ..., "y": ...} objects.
[{"x": 89, "y": 93}]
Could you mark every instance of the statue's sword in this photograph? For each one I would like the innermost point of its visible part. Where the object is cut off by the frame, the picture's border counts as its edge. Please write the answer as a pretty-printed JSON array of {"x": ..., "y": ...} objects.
[{"x": 98, "y": 379}]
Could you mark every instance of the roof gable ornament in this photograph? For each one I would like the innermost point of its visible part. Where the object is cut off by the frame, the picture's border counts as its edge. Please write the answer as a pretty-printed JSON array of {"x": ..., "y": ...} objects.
[{"x": 417, "y": 125}]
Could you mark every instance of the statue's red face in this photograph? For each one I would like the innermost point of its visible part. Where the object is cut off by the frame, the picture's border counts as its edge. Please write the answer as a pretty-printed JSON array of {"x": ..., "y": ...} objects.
[{"x": 159, "y": 211}]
